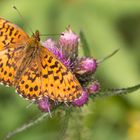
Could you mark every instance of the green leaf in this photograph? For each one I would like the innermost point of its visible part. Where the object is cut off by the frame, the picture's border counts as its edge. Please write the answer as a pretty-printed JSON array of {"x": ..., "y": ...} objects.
[
  {"x": 85, "y": 45},
  {"x": 107, "y": 57}
]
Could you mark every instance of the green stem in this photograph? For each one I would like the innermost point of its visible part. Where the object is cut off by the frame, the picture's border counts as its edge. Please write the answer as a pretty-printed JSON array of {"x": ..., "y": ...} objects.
[
  {"x": 26, "y": 125},
  {"x": 113, "y": 92}
]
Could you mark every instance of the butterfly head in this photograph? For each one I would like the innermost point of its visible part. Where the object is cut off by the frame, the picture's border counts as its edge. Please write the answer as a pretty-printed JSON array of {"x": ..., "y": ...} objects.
[
  {"x": 36, "y": 35},
  {"x": 34, "y": 41}
]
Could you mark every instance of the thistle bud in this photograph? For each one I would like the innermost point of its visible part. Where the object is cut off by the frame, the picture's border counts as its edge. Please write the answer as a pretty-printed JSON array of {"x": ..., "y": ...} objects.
[
  {"x": 68, "y": 42},
  {"x": 44, "y": 105},
  {"x": 85, "y": 66},
  {"x": 81, "y": 100},
  {"x": 93, "y": 88}
]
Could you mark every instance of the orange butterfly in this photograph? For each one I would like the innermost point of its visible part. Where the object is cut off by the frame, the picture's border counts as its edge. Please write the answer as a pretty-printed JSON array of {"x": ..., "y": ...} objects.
[{"x": 32, "y": 69}]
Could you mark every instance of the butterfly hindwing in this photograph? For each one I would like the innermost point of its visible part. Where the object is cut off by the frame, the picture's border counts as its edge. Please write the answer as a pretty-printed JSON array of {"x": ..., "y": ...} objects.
[
  {"x": 29, "y": 84},
  {"x": 9, "y": 62}
]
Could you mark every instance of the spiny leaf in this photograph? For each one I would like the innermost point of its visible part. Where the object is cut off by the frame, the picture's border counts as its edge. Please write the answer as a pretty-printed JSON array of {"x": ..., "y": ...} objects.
[
  {"x": 107, "y": 57},
  {"x": 85, "y": 45}
]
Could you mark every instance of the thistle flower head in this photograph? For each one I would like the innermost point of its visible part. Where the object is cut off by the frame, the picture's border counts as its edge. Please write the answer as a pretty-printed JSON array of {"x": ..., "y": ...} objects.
[
  {"x": 49, "y": 43},
  {"x": 81, "y": 100},
  {"x": 85, "y": 66},
  {"x": 93, "y": 88},
  {"x": 44, "y": 104},
  {"x": 68, "y": 42}
]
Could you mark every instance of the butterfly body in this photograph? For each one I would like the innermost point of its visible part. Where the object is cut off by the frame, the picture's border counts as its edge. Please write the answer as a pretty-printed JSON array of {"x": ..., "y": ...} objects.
[{"x": 32, "y": 69}]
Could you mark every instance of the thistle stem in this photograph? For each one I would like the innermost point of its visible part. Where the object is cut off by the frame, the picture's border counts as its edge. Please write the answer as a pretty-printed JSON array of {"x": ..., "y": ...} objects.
[
  {"x": 113, "y": 92},
  {"x": 26, "y": 125}
]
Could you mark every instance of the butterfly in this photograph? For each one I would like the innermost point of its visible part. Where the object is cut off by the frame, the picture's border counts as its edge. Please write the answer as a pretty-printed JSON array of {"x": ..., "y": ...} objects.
[{"x": 32, "y": 69}]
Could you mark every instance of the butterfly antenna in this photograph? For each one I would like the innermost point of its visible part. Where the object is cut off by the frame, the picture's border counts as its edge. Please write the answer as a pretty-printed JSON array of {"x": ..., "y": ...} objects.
[
  {"x": 23, "y": 18},
  {"x": 50, "y": 34}
]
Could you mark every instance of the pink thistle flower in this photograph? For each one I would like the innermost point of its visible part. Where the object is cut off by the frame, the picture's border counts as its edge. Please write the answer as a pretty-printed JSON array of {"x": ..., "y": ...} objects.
[
  {"x": 93, "y": 88},
  {"x": 85, "y": 66},
  {"x": 81, "y": 100},
  {"x": 68, "y": 42},
  {"x": 44, "y": 105}
]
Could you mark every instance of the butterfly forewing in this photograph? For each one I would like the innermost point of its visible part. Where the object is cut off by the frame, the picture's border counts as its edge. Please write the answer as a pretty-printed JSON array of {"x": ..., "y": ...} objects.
[{"x": 11, "y": 35}]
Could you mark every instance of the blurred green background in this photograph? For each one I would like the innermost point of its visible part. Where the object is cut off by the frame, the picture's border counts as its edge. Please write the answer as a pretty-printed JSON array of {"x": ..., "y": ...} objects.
[{"x": 107, "y": 25}]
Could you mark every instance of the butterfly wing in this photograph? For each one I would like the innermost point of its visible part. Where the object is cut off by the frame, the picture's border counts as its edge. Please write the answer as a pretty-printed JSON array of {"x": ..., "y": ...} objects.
[
  {"x": 9, "y": 62},
  {"x": 47, "y": 76},
  {"x": 11, "y": 35},
  {"x": 12, "y": 42},
  {"x": 30, "y": 83},
  {"x": 59, "y": 82}
]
